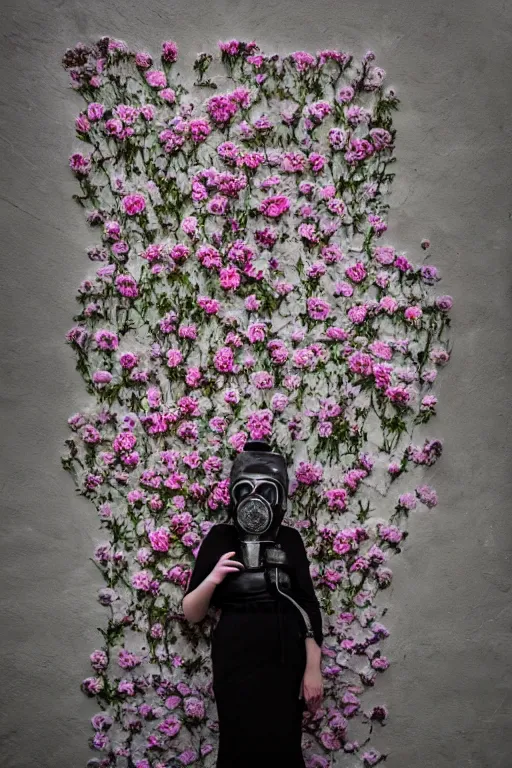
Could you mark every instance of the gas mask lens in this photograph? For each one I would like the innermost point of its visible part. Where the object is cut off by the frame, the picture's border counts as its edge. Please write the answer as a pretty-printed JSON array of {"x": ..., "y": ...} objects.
[
  {"x": 266, "y": 489},
  {"x": 241, "y": 490}
]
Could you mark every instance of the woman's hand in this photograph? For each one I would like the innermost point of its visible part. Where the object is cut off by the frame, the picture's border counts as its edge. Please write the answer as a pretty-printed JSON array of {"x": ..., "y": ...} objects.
[
  {"x": 312, "y": 687},
  {"x": 224, "y": 566}
]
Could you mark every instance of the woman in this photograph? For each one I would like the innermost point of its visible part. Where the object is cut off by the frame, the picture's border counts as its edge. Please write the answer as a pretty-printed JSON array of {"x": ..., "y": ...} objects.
[{"x": 266, "y": 668}]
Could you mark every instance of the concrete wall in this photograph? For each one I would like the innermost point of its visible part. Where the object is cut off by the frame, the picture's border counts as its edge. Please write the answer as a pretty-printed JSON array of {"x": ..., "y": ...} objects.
[{"x": 449, "y": 686}]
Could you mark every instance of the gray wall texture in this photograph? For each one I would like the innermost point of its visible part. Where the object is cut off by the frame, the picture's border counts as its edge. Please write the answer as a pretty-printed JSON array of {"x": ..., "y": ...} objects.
[{"x": 449, "y": 686}]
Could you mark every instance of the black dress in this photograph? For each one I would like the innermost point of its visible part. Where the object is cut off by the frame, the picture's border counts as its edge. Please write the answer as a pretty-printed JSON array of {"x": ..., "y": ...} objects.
[{"x": 259, "y": 658}]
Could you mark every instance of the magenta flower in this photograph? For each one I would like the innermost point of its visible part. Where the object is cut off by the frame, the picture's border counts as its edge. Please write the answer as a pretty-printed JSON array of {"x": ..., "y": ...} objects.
[
  {"x": 156, "y": 78},
  {"x": 303, "y": 61},
  {"x": 169, "y": 51},
  {"x": 274, "y": 207},
  {"x": 221, "y": 109},
  {"x": 224, "y": 360},
  {"x": 134, "y": 204},
  {"x": 159, "y": 539},
  {"x": 318, "y": 309}
]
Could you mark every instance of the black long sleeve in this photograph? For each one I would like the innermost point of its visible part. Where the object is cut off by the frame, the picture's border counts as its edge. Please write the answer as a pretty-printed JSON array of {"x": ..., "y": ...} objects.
[{"x": 304, "y": 590}]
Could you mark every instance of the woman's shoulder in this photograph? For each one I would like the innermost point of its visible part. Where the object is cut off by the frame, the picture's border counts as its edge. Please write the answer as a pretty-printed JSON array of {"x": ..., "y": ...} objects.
[
  {"x": 221, "y": 529},
  {"x": 288, "y": 532}
]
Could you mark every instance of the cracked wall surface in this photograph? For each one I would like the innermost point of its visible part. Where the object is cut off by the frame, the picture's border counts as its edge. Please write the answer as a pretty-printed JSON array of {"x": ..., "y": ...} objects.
[{"x": 449, "y": 685}]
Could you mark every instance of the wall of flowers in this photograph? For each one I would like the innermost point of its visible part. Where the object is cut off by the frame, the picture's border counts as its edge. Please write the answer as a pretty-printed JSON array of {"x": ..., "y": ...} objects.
[{"x": 240, "y": 285}]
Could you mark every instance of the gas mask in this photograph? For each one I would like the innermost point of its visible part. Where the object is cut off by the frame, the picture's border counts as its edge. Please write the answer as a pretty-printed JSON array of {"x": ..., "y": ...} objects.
[{"x": 258, "y": 496}]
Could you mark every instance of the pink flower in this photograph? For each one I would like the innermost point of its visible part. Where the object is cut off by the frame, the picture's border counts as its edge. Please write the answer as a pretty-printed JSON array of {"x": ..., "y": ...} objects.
[
  {"x": 413, "y": 313},
  {"x": 273, "y": 207},
  {"x": 303, "y": 358},
  {"x": 231, "y": 47},
  {"x": 318, "y": 309},
  {"x": 381, "y": 349},
  {"x": 336, "y": 333},
  {"x": 199, "y": 192},
  {"x": 169, "y": 51},
  {"x": 189, "y": 225},
  {"x": 170, "y": 726},
  {"x": 389, "y": 304},
  {"x": 332, "y": 253},
  {"x": 259, "y": 424},
  {"x": 134, "y": 204},
  {"x": 337, "y": 206},
  {"x": 238, "y": 440},
  {"x": 229, "y": 278},
  {"x": 279, "y": 402},
  {"x": 168, "y": 95},
  {"x": 126, "y": 285},
  {"x": 357, "y": 272},
  {"x": 337, "y": 138},
  {"x": 380, "y": 663},
  {"x": 317, "y": 162},
  {"x": 293, "y": 162},
  {"x": 309, "y": 474},
  {"x": 303, "y": 61},
  {"x": 256, "y": 332},
  {"x": 357, "y": 314},
  {"x": 218, "y": 205},
  {"x": 159, "y": 539},
  {"x": 266, "y": 237},
  {"x": 224, "y": 360},
  {"x": 210, "y": 306},
  {"x": 221, "y": 108},
  {"x": 308, "y": 232},
  {"x": 444, "y": 303},
  {"x": 263, "y": 380},
  {"x": 156, "y": 78},
  {"x": 142, "y": 580},
  {"x": 278, "y": 351},
  {"x": 174, "y": 358},
  {"x": 193, "y": 377},
  {"x": 343, "y": 288},
  {"x": 209, "y": 257},
  {"x": 336, "y": 498},
  {"x": 251, "y": 303},
  {"x": 232, "y": 396},
  {"x": 318, "y": 110},
  {"x": 228, "y": 150},
  {"x": 218, "y": 424},
  {"x": 380, "y": 138}
]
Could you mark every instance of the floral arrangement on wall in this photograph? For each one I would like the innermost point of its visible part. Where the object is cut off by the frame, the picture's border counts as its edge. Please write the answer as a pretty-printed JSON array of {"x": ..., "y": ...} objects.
[{"x": 242, "y": 286}]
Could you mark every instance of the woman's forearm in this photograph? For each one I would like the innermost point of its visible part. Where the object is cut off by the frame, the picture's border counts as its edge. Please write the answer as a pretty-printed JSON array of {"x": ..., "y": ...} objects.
[
  {"x": 313, "y": 654},
  {"x": 195, "y": 605}
]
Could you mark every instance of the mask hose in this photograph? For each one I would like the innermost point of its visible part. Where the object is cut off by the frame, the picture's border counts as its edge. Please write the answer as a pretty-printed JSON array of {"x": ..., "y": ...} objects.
[{"x": 305, "y": 616}]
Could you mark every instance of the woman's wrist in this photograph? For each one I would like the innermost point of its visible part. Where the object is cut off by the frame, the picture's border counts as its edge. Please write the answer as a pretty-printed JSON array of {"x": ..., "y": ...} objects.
[
  {"x": 195, "y": 605},
  {"x": 313, "y": 654}
]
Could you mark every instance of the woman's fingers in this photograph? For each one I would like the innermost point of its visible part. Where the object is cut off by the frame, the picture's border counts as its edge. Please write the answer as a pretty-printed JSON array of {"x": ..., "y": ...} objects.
[
  {"x": 313, "y": 697},
  {"x": 225, "y": 559}
]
